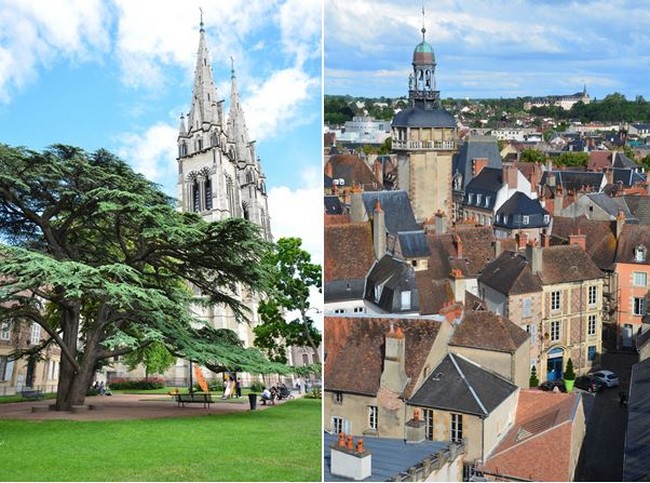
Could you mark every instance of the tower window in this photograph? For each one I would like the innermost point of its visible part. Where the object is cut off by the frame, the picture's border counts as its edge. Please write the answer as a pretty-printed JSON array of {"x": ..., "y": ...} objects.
[
  {"x": 196, "y": 197},
  {"x": 208, "y": 194}
]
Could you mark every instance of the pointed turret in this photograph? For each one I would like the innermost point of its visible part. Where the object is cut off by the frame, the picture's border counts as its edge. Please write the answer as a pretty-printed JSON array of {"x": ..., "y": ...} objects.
[
  {"x": 204, "y": 94},
  {"x": 237, "y": 132}
]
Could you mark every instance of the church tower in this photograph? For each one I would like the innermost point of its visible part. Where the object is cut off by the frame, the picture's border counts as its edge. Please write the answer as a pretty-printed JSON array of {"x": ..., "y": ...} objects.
[
  {"x": 424, "y": 139},
  {"x": 219, "y": 174}
]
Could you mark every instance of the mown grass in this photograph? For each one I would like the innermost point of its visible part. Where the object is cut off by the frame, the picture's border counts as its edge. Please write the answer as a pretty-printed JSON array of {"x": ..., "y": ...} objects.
[{"x": 279, "y": 444}]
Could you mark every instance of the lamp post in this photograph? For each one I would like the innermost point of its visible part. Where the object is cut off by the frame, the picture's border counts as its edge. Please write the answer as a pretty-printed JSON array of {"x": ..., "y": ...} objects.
[{"x": 191, "y": 383}]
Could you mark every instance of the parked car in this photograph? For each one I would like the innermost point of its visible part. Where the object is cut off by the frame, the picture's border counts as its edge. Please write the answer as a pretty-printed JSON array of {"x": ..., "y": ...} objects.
[
  {"x": 590, "y": 383},
  {"x": 550, "y": 385},
  {"x": 608, "y": 377}
]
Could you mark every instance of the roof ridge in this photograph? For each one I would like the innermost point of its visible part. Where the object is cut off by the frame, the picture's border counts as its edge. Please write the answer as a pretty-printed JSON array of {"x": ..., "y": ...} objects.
[{"x": 469, "y": 386}]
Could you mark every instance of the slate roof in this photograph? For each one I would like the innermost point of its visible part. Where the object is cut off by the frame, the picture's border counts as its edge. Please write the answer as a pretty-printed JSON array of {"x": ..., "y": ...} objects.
[
  {"x": 631, "y": 237},
  {"x": 600, "y": 237},
  {"x": 510, "y": 274},
  {"x": 622, "y": 161},
  {"x": 610, "y": 205},
  {"x": 459, "y": 385},
  {"x": 413, "y": 244},
  {"x": 355, "y": 351},
  {"x": 390, "y": 456},
  {"x": 627, "y": 176},
  {"x": 575, "y": 180},
  {"x": 353, "y": 170},
  {"x": 396, "y": 276},
  {"x": 538, "y": 447},
  {"x": 639, "y": 206},
  {"x": 416, "y": 116},
  {"x": 476, "y": 147},
  {"x": 398, "y": 213},
  {"x": 517, "y": 206},
  {"x": 333, "y": 205},
  {"x": 636, "y": 464},
  {"x": 488, "y": 331},
  {"x": 488, "y": 182}
]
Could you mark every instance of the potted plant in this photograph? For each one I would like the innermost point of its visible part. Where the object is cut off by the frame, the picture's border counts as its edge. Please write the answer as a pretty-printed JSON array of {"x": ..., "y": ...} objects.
[
  {"x": 569, "y": 376},
  {"x": 533, "y": 381}
]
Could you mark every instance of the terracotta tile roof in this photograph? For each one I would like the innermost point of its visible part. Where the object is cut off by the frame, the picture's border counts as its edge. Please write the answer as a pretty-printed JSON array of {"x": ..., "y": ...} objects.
[
  {"x": 434, "y": 294},
  {"x": 599, "y": 160},
  {"x": 567, "y": 263},
  {"x": 601, "y": 238},
  {"x": 337, "y": 220},
  {"x": 538, "y": 447},
  {"x": 354, "y": 349},
  {"x": 488, "y": 331},
  {"x": 353, "y": 170},
  {"x": 348, "y": 251},
  {"x": 631, "y": 237}
]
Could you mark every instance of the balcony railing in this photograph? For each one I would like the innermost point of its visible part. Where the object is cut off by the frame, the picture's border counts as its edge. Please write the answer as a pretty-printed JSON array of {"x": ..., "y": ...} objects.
[{"x": 424, "y": 145}]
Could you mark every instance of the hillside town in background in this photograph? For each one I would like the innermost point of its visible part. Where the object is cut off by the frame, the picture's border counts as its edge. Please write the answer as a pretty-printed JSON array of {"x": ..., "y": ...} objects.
[{"x": 476, "y": 252}]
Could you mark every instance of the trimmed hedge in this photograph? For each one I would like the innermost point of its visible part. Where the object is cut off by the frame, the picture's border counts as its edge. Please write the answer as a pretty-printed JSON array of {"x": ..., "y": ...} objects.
[{"x": 151, "y": 383}]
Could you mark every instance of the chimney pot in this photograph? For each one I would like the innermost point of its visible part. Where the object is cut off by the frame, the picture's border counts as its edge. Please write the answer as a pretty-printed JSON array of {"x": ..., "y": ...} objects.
[{"x": 350, "y": 442}]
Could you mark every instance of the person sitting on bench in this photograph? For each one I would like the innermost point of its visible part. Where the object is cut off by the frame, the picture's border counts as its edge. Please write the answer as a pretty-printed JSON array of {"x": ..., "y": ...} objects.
[{"x": 267, "y": 396}]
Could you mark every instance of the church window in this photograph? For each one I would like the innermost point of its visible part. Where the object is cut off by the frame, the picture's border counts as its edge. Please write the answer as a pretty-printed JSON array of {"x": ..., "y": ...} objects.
[
  {"x": 196, "y": 197},
  {"x": 208, "y": 194},
  {"x": 263, "y": 188},
  {"x": 200, "y": 144},
  {"x": 231, "y": 196},
  {"x": 214, "y": 139},
  {"x": 246, "y": 214}
]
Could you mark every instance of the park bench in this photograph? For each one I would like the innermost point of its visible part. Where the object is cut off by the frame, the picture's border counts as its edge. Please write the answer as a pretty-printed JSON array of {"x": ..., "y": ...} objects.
[
  {"x": 205, "y": 399},
  {"x": 26, "y": 394}
]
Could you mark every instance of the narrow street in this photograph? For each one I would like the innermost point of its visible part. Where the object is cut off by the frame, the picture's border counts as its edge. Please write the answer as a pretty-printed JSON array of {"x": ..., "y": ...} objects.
[{"x": 601, "y": 458}]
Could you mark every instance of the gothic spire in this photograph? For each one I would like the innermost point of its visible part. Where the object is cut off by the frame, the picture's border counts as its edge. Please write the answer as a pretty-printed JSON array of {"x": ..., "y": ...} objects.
[
  {"x": 204, "y": 94},
  {"x": 237, "y": 132}
]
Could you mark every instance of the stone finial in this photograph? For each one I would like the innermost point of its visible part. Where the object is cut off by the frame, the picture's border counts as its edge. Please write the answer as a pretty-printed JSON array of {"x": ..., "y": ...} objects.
[
  {"x": 350, "y": 443},
  {"x": 341, "y": 441},
  {"x": 360, "y": 446}
]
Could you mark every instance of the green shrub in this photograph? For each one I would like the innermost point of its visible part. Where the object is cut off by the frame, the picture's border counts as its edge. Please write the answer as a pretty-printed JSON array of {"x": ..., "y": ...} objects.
[
  {"x": 216, "y": 386},
  {"x": 569, "y": 374},
  {"x": 315, "y": 393},
  {"x": 150, "y": 383},
  {"x": 256, "y": 386},
  {"x": 533, "y": 381}
]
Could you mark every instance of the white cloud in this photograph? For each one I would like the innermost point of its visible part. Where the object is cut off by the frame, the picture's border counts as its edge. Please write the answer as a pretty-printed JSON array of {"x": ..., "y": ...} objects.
[
  {"x": 278, "y": 103},
  {"x": 298, "y": 213},
  {"x": 34, "y": 35},
  {"x": 152, "y": 153},
  {"x": 301, "y": 25}
]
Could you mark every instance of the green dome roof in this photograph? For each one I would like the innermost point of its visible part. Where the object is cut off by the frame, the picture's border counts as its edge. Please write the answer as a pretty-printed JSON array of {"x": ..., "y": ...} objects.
[{"x": 423, "y": 48}]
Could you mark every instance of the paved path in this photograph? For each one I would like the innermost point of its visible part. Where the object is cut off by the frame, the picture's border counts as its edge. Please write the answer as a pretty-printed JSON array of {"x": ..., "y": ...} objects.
[{"x": 125, "y": 406}]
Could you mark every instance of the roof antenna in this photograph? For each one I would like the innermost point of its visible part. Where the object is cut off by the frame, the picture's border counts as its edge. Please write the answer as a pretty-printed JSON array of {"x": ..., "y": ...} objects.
[{"x": 201, "y": 24}]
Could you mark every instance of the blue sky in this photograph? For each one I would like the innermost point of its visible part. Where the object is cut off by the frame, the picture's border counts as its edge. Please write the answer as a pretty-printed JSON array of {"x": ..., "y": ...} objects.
[
  {"x": 118, "y": 73},
  {"x": 490, "y": 48}
]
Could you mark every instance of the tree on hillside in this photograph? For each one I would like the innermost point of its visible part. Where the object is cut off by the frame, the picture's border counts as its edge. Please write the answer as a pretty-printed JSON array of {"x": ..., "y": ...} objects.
[
  {"x": 573, "y": 158},
  {"x": 532, "y": 156},
  {"x": 100, "y": 258},
  {"x": 294, "y": 278}
]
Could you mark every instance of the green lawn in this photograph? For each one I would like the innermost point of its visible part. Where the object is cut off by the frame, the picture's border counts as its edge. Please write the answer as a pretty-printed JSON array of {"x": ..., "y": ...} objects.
[{"x": 280, "y": 444}]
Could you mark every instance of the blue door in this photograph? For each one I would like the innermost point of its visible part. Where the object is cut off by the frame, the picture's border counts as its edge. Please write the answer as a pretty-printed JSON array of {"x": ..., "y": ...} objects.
[{"x": 554, "y": 365}]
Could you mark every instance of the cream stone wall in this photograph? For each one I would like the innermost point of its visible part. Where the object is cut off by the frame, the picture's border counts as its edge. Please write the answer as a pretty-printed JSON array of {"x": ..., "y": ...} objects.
[{"x": 514, "y": 367}]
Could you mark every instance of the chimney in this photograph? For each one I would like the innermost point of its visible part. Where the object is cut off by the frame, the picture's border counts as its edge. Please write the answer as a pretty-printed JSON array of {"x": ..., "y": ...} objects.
[
  {"x": 350, "y": 461},
  {"x": 498, "y": 247},
  {"x": 459, "y": 246},
  {"x": 357, "y": 209},
  {"x": 546, "y": 238},
  {"x": 534, "y": 257},
  {"x": 550, "y": 179},
  {"x": 620, "y": 221},
  {"x": 415, "y": 428},
  {"x": 558, "y": 203},
  {"x": 453, "y": 313},
  {"x": 379, "y": 172},
  {"x": 458, "y": 285},
  {"x": 522, "y": 240},
  {"x": 509, "y": 175},
  {"x": 477, "y": 166},
  {"x": 578, "y": 239},
  {"x": 379, "y": 231},
  {"x": 609, "y": 175},
  {"x": 393, "y": 377},
  {"x": 440, "y": 225}
]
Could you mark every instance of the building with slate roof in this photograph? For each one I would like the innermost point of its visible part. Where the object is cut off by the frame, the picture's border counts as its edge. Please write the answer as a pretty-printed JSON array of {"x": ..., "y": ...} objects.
[
  {"x": 521, "y": 213},
  {"x": 424, "y": 140},
  {"x": 543, "y": 444},
  {"x": 476, "y": 153},
  {"x": 460, "y": 400},
  {"x": 391, "y": 287},
  {"x": 571, "y": 181},
  {"x": 490, "y": 189},
  {"x": 636, "y": 464},
  {"x": 495, "y": 343},
  {"x": 333, "y": 205},
  {"x": 556, "y": 294},
  {"x": 377, "y": 362}
]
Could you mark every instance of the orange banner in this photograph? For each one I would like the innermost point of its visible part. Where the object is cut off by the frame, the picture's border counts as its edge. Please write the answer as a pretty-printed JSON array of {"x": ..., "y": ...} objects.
[{"x": 200, "y": 379}]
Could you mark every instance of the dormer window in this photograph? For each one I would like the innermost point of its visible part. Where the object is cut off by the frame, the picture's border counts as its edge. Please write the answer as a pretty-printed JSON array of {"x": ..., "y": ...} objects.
[
  {"x": 479, "y": 198},
  {"x": 640, "y": 252}
]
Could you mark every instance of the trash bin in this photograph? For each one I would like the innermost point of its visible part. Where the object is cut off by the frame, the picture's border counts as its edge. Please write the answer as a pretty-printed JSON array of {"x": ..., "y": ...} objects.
[{"x": 252, "y": 400}]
